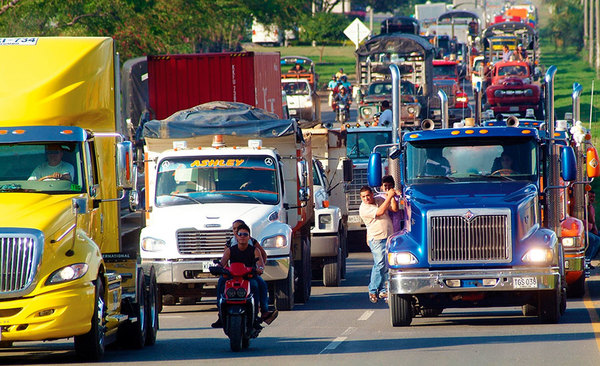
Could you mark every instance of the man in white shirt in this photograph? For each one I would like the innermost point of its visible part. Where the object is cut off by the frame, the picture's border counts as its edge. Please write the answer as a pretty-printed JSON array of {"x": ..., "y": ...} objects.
[
  {"x": 55, "y": 168},
  {"x": 374, "y": 213},
  {"x": 386, "y": 117}
]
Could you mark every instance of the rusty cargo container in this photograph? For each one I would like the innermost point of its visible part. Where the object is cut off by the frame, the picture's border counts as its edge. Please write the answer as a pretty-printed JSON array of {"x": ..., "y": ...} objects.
[{"x": 177, "y": 82}]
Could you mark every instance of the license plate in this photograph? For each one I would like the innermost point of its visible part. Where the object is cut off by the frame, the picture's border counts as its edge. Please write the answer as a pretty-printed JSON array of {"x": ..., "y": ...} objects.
[
  {"x": 437, "y": 113},
  {"x": 206, "y": 266},
  {"x": 525, "y": 282},
  {"x": 514, "y": 108},
  {"x": 293, "y": 112},
  {"x": 354, "y": 219}
]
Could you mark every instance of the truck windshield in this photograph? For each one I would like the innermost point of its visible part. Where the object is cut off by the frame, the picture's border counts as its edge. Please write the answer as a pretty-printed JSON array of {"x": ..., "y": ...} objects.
[
  {"x": 489, "y": 160},
  {"x": 442, "y": 71},
  {"x": 360, "y": 144},
  {"x": 44, "y": 167},
  {"x": 231, "y": 179}
]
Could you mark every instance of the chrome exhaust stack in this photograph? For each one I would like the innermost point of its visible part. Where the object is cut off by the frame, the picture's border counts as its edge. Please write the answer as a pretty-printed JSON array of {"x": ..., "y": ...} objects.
[
  {"x": 477, "y": 95},
  {"x": 553, "y": 164},
  {"x": 577, "y": 90},
  {"x": 394, "y": 165},
  {"x": 444, "y": 101}
]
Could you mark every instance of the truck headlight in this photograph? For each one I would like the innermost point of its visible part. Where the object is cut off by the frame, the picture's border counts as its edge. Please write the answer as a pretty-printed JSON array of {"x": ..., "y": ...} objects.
[
  {"x": 528, "y": 92},
  {"x": 68, "y": 273},
  {"x": 401, "y": 259},
  {"x": 538, "y": 256},
  {"x": 308, "y": 103},
  {"x": 498, "y": 93},
  {"x": 324, "y": 221},
  {"x": 278, "y": 241},
  {"x": 411, "y": 109},
  {"x": 150, "y": 244}
]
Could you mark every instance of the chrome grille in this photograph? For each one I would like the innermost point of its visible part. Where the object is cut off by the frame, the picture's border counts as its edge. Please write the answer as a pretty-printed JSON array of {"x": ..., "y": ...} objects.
[
  {"x": 359, "y": 179},
  {"x": 483, "y": 238},
  {"x": 190, "y": 241},
  {"x": 18, "y": 262},
  {"x": 435, "y": 102}
]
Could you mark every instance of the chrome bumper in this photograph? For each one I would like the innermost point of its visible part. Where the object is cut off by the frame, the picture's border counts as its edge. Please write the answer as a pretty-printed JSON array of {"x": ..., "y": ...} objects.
[
  {"x": 433, "y": 282},
  {"x": 172, "y": 272}
]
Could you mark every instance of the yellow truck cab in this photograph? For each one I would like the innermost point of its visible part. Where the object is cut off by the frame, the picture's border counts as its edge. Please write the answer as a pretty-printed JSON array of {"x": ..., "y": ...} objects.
[{"x": 68, "y": 257}]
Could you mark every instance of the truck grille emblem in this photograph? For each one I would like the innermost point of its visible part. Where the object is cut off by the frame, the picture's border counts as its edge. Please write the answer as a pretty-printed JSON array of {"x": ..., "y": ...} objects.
[{"x": 469, "y": 215}]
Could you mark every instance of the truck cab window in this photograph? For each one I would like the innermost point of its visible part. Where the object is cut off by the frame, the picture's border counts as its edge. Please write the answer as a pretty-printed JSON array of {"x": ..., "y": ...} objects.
[{"x": 41, "y": 167}]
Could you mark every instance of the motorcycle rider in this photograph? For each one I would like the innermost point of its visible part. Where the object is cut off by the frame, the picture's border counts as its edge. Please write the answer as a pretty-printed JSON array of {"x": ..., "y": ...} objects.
[
  {"x": 250, "y": 256},
  {"x": 331, "y": 87},
  {"x": 343, "y": 98}
]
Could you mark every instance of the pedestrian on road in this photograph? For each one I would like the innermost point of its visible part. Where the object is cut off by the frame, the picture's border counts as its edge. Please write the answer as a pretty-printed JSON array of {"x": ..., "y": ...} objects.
[{"x": 374, "y": 213}]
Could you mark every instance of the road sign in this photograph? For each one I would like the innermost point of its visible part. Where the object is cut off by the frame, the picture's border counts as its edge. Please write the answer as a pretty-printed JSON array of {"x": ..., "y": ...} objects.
[{"x": 357, "y": 31}]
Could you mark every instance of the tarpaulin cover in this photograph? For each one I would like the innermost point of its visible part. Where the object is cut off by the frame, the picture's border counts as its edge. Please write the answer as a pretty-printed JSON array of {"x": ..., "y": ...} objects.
[
  {"x": 220, "y": 118},
  {"x": 400, "y": 43},
  {"x": 504, "y": 28},
  {"x": 458, "y": 14}
]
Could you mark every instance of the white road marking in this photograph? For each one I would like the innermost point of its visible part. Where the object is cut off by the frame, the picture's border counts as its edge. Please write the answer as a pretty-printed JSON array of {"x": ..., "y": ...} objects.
[
  {"x": 336, "y": 342},
  {"x": 366, "y": 315}
]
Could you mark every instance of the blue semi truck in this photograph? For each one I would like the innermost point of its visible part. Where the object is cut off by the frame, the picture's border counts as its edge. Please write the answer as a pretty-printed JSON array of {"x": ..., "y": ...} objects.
[{"x": 480, "y": 232}]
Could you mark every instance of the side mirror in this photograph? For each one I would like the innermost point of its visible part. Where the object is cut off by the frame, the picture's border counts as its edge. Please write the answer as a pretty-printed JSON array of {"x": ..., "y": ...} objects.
[
  {"x": 304, "y": 194},
  {"x": 592, "y": 163},
  {"x": 568, "y": 164},
  {"x": 79, "y": 206},
  {"x": 124, "y": 159},
  {"x": 302, "y": 173},
  {"x": 374, "y": 170},
  {"x": 348, "y": 170}
]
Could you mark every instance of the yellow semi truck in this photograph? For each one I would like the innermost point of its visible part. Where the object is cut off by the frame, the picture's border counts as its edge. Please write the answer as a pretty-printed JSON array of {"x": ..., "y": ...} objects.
[{"x": 69, "y": 257}]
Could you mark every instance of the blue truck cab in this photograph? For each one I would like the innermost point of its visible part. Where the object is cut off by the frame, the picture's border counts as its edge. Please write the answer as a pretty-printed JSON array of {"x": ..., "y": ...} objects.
[{"x": 477, "y": 232}]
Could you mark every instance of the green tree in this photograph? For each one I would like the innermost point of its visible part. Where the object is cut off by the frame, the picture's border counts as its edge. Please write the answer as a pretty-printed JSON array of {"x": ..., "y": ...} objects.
[
  {"x": 323, "y": 28},
  {"x": 565, "y": 27}
]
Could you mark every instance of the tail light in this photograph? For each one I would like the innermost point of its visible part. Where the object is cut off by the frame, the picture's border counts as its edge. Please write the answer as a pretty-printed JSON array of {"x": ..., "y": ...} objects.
[{"x": 462, "y": 100}]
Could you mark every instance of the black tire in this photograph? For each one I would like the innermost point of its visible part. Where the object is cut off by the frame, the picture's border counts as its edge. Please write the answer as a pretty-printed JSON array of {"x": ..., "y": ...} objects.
[
  {"x": 133, "y": 334},
  {"x": 284, "y": 292},
  {"x": 400, "y": 310},
  {"x": 245, "y": 343},
  {"x": 91, "y": 346},
  {"x": 303, "y": 270},
  {"x": 236, "y": 331},
  {"x": 529, "y": 310},
  {"x": 344, "y": 248},
  {"x": 6, "y": 344},
  {"x": 549, "y": 306},
  {"x": 332, "y": 271},
  {"x": 577, "y": 288},
  {"x": 152, "y": 306}
]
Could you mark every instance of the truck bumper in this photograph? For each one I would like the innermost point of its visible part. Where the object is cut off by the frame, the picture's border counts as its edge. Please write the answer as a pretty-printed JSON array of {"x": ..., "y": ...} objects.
[
  {"x": 57, "y": 314},
  {"x": 195, "y": 271},
  {"x": 324, "y": 245},
  {"x": 435, "y": 282}
]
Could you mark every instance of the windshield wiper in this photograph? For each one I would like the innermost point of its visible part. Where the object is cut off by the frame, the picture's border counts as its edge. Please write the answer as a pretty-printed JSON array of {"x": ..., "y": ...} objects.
[
  {"x": 503, "y": 177},
  {"x": 243, "y": 195},
  {"x": 437, "y": 177},
  {"x": 186, "y": 197}
]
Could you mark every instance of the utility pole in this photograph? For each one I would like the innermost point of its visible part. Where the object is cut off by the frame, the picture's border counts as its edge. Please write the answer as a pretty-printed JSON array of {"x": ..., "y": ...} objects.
[
  {"x": 591, "y": 34},
  {"x": 585, "y": 23},
  {"x": 597, "y": 37}
]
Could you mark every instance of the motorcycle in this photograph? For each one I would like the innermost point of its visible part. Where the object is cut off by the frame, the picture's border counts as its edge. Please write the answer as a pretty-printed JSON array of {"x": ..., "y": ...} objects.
[
  {"x": 237, "y": 308},
  {"x": 342, "y": 112}
]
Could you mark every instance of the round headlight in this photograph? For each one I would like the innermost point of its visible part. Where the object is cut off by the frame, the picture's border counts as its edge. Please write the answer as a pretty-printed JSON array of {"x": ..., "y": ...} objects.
[
  {"x": 231, "y": 292},
  {"x": 498, "y": 93},
  {"x": 241, "y": 292},
  {"x": 529, "y": 92}
]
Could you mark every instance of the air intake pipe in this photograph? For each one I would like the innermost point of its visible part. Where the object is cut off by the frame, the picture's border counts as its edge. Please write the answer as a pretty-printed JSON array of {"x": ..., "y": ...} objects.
[{"x": 444, "y": 104}]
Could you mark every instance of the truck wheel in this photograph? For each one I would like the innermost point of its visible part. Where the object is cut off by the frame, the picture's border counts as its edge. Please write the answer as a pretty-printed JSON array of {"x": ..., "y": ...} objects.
[
  {"x": 577, "y": 288},
  {"x": 332, "y": 275},
  {"x": 304, "y": 273},
  {"x": 529, "y": 310},
  {"x": 90, "y": 346},
  {"x": 344, "y": 248},
  {"x": 133, "y": 334},
  {"x": 400, "y": 310},
  {"x": 284, "y": 292},
  {"x": 236, "y": 331},
  {"x": 152, "y": 300},
  {"x": 549, "y": 306}
]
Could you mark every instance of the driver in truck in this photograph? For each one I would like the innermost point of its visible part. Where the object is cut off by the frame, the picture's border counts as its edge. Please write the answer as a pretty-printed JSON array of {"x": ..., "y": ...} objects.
[{"x": 55, "y": 168}]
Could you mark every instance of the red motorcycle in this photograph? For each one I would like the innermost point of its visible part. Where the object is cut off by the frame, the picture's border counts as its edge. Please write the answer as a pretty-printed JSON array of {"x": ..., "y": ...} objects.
[{"x": 237, "y": 308}]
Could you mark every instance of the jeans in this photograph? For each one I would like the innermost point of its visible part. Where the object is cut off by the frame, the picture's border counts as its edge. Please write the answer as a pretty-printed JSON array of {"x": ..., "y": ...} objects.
[
  {"x": 593, "y": 246},
  {"x": 379, "y": 273},
  {"x": 258, "y": 286}
]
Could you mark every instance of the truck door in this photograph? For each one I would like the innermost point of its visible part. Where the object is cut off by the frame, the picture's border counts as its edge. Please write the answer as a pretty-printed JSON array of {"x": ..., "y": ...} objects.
[{"x": 96, "y": 229}]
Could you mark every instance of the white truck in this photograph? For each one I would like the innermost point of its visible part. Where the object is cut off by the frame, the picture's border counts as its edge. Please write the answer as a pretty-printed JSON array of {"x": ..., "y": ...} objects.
[
  {"x": 210, "y": 165},
  {"x": 331, "y": 169}
]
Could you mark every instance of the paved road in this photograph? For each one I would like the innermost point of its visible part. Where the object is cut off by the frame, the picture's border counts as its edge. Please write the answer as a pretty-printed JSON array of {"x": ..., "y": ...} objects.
[{"x": 339, "y": 325}]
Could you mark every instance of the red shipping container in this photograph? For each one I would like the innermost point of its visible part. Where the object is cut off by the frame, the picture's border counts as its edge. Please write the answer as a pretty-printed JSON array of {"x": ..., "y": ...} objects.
[{"x": 177, "y": 82}]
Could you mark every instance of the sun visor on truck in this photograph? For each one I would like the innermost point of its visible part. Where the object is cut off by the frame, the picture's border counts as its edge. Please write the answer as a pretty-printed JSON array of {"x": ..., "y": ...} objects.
[{"x": 220, "y": 118}]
